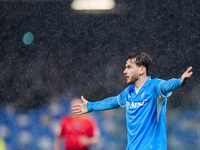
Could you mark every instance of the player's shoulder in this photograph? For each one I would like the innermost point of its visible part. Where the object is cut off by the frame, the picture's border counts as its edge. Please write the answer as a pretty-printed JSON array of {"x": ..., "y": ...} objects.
[
  {"x": 128, "y": 88},
  {"x": 156, "y": 81},
  {"x": 66, "y": 117},
  {"x": 88, "y": 118}
]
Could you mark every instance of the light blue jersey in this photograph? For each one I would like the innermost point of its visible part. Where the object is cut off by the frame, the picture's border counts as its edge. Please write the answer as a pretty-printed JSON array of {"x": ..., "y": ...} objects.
[{"x": 145, "y": 112}]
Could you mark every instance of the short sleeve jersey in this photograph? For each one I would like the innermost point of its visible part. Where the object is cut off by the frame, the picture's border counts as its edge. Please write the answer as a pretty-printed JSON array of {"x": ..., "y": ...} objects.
[
  {"x": 73, "y": 128},
  {"x": 145, "y": 115}
]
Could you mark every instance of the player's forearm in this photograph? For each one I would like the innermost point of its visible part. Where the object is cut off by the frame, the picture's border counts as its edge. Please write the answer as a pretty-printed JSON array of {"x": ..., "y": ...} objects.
[
  {"x": 170, "y": 85},
  {"x": 93, "y": 140},
  {"x": 89, "y": 140},
  {"x": 106, "y": 104},
  {"x": 57, "y": 143}
]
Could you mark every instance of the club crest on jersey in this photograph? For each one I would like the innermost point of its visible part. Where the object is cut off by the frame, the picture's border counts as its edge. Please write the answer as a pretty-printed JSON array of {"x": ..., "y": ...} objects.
[{"x": 142, "y": 95}]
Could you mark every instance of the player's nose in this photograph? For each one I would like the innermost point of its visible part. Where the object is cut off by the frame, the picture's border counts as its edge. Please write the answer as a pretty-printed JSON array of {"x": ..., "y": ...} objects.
[{"x": 125, "y": 71}]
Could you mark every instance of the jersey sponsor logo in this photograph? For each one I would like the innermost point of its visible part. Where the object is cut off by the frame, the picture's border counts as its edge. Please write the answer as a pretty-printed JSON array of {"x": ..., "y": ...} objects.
[{"x": 136, "y": 104}]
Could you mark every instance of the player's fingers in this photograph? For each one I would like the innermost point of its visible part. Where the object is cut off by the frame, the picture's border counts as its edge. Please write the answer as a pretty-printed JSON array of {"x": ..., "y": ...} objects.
[
  {"x": 190, "y": 73},
  {"x": 76, "y": 105},
  {"x": 79, "y": 113},
  {"x": 75, "y": 108},
  {"x": 83, "y": 99},
  {"x": 76, "y": 111},
  {"x": 189, "y": 69}
]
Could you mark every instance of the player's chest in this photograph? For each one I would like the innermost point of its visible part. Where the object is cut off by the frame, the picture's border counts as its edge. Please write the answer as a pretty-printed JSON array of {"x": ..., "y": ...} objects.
[
  {"x": 138, "y": 100},
  {"x": 76, "y": 127}
]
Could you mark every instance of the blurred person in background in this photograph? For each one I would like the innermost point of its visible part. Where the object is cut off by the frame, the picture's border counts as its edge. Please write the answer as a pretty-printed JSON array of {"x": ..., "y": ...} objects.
[
  {"x": 2, "y": 145},
  {"x": 78, "y": 131},
  {"x": 145, "y": 101}
]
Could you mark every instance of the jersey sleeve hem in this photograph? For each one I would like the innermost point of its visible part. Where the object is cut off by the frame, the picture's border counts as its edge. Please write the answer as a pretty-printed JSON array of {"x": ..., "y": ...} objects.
[
  {"x": 119, "y": 102},
  {"x": 89, "y": 107}
]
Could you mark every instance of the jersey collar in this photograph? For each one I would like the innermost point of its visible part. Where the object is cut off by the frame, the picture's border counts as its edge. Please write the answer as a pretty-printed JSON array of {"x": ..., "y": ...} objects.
[{"x": 148, "y": 81}]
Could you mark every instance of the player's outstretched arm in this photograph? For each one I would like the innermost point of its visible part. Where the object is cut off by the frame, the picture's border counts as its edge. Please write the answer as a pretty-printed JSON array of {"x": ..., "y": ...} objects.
[
  {"x": 186, "y": 75},
  {"x": 172, "y": 84},
  {"x": 80, "y": 108}
]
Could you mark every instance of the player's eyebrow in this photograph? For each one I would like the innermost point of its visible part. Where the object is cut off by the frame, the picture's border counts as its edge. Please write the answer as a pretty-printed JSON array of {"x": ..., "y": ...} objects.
[{"x": 127, "y": 65}]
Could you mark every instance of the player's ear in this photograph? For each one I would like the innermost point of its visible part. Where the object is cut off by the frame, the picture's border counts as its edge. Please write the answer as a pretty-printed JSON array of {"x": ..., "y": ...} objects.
[{"x": 142, "y": 70}]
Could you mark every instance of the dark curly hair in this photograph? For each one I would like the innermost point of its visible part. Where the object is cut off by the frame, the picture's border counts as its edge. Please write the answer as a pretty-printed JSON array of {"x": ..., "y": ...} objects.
[{"x": 142, "y": 59}]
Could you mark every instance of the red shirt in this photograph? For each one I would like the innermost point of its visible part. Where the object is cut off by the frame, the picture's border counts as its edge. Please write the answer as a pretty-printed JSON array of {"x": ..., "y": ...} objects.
[{"x": 73, "y": 128}]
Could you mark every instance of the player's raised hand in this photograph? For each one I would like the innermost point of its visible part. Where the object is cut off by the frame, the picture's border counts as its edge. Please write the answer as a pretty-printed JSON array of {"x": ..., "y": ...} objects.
[
  {"x": 186, "y": 75},
  {"x": 80, "y": 108}
]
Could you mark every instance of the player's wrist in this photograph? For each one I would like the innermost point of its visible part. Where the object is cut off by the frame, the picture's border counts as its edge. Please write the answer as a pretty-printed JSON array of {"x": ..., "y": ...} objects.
[
  {"x": 182, "y": 80},
  {"x": 89, "y": 107}
]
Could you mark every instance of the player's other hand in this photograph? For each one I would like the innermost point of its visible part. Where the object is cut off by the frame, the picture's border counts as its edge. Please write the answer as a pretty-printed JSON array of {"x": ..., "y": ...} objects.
[
  {"x": 186, "y": 75},
  {"x": 80, "y": 108},
  {"x": 84, "y": 140}
]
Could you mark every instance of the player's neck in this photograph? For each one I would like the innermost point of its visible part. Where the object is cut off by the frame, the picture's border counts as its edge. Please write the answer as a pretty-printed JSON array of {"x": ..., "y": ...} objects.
[
  {"x": 75, "y": 116},
  {"x": 140, "y": 82}
]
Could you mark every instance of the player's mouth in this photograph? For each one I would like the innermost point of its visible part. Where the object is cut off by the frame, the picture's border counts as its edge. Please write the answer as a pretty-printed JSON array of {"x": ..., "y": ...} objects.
[{"x": 127, "y": 77}]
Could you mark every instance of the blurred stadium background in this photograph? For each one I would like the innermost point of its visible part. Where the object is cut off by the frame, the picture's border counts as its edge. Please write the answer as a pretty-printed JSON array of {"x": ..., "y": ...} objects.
[{"x": 50, "y": 52}]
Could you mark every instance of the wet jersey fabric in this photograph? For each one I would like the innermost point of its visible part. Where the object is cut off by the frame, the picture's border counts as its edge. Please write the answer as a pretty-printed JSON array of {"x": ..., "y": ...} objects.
[
  {"x": 145, "y": 112},
  {"x": 74, "y": 128}
]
